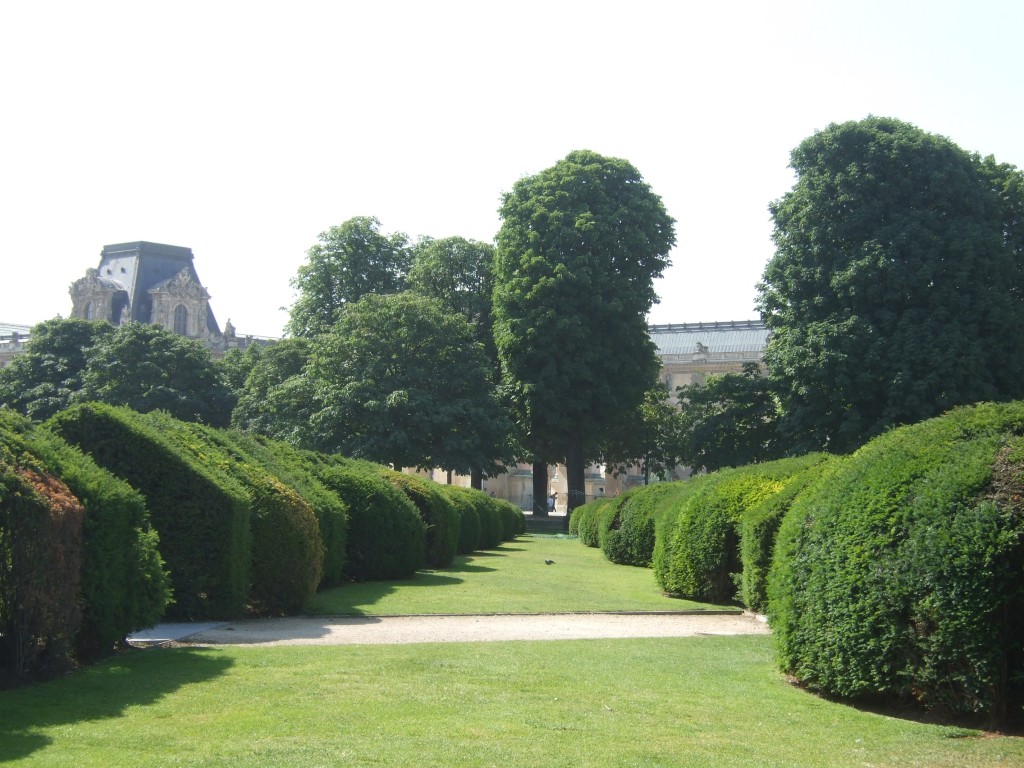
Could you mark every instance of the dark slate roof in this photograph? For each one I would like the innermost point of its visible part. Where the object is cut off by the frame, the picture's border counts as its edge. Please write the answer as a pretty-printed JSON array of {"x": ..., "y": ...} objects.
[{"x": 731, "y": 337}]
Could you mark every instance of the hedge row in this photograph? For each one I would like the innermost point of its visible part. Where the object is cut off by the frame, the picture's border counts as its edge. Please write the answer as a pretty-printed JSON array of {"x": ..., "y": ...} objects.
[
  {"x": 79, "y": 564},
  {"x": 699, "y": 554},
  {"x": 900, "y": 574}
]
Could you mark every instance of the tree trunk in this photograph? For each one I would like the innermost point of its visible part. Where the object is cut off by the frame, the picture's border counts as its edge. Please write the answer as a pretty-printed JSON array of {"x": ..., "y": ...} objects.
[
  {"x": 540, "y": 488},
  {"x": 574, "y": 472},
  {"x": 476, "y": 478}
]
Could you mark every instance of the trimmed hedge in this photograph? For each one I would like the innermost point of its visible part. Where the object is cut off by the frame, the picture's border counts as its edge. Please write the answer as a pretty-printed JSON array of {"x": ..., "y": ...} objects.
[
  {"x": 124, "y": 585},
  {"x": 626, "y": 530},
  {"x": 586, "y": 520},
  {"x": 759, "y": 528},
  {"x": 40, "y": 562},
  {"x": 288, "y": 464},
  {"x": 201, "y": 515},
  {"x": 900, "y": 574},
  {"x": 438, "y": 514},
  {"x": 465, "y": 501},
  {"x": 287, "y": 552},
  {"x": 698, "y": 556},
  {"x": 386, "y": 536}
]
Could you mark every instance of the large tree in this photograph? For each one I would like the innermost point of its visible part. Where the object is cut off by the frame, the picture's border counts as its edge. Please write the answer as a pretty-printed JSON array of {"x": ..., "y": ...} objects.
[
  {"x": 401, "y": 381},
  {"x": 890, "y": 295},
  {"x": 45, "y": 377},
  {"x": 148, "y": 368},
  {"x": 649, "y": 437},
  {"x": 275, "y": 399},
  {"x": 351, "y": 260},
  {"x": 729, "y": 421},
  {"x": 578, "y": 250},
  {"x": 460, "y": 274}
]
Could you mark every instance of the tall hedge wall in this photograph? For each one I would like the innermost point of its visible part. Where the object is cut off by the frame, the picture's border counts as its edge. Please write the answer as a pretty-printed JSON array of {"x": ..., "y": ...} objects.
[
  {"x": 900, "y": 574},
  {"x": 288, "y": 465},
  {"x": 386, "y": 535},
  {"x": 40, "y": 562},
  {"x": 286, "y": 549},
  {"x": 201, "y": 515},
  {"x": 124, "y": 585},
  {"x": 626, "y": 528},
  {"x": 465, "y": 501}
]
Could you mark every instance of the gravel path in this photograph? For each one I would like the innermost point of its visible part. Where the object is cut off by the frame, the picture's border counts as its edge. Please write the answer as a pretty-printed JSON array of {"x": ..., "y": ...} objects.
[{"x": 462, "y": 629}]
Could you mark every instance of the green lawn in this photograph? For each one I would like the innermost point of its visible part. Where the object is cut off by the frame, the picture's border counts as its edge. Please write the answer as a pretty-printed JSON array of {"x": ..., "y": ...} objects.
[
  {"x": 513, "y": 578},
  {"x": 698, "y": 701},
  {"x": 704, "y": 701}
]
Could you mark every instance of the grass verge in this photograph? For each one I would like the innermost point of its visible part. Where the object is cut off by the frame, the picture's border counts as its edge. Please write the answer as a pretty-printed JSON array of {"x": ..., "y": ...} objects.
[
  {"x": 514, "y": 578},
  {"x": 703, "y": 701}
]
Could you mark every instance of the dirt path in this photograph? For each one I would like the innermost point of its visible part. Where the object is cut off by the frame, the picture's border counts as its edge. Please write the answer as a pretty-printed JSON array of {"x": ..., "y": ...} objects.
[{"x": 462, "y": 629}]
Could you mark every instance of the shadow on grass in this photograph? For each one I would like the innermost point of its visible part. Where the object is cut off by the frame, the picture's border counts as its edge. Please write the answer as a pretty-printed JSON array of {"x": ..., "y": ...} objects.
[{"x": 101, "y": 692}]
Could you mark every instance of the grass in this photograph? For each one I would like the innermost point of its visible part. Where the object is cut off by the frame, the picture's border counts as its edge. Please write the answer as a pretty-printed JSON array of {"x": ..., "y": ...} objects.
[
  {"x": 513, "y": 578},
  {"x": 698, "y": 701},
  {"x": 705, "y": 701}
]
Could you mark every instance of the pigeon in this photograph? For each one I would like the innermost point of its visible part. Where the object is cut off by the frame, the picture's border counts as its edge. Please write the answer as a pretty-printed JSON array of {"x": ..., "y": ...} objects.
[{"x": 549, "y": 562}]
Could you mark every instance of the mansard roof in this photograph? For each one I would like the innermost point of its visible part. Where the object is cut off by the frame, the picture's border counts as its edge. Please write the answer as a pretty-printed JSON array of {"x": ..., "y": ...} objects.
[
  {"x": 9, "y": 329},
  {"x": 739, "y": 339}
]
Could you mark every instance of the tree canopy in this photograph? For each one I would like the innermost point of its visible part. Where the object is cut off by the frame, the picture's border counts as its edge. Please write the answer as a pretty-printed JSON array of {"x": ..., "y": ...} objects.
[
  {"x": 399, "y": 380},
  {"x": 890, "y": 295},
  {"x": 148, "y": 368},
  {"x": 579, "y": 247},
  {"x": 729, "y": 421},
  {"x": 276, "y": 399},
  {"x": 351, "y": 260},
  {"x": 46, "y": 376}
]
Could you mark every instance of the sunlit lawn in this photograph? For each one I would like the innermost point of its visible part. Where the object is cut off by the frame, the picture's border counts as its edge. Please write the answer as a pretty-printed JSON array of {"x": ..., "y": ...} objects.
[
  {"x": 697, "y": 701},
  {"x": 511, "y": 579},
  {"x": 702, "y": 701}
]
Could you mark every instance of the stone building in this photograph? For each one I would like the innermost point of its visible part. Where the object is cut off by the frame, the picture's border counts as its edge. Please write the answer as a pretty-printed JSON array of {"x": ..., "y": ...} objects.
[
  {"x": 153, "y": 283},
  {"x": 13, "y": 337}
]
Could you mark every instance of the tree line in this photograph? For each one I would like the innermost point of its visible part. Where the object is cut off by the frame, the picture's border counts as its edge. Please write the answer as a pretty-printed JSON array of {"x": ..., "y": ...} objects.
[{"x": 894, "y": 294}]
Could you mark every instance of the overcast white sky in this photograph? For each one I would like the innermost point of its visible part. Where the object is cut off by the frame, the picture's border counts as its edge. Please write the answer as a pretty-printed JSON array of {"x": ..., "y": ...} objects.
[{"x": 244, "y": 129}]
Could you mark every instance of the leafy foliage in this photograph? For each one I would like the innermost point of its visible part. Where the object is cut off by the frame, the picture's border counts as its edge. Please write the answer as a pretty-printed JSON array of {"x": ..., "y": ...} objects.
[
  {"x": 400, "y": 382},
  {"x": 275, "y": 399},
  {"x": 892, "y": 293},
  {"x": 351, "y": 260},
  {"x": 898, "y": 574},
  {"x": 47, "y": 375},
  {"x": 651, "y": 437},
  {"x": 627, "y": 527},
  {"x": 146, "y": 368},
  {"x": 729, "y": 421},
  {"x": 579, "y": 247}
]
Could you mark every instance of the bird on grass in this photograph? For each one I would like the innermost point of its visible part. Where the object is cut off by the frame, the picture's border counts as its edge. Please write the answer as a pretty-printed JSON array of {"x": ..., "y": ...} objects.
[{"x": 549, "y": 562}]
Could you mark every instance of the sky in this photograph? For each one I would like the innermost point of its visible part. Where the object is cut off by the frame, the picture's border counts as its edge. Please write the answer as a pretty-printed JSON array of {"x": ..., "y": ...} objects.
[{"x": 242, "y": 130}]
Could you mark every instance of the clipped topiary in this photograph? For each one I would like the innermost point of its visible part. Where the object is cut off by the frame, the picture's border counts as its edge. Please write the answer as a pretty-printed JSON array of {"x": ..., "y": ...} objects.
[
  {"x": 466, "y": 501},
  {"x": 124, "y": 585},
  {"x": 287, "y": 553},
  {"x": 438, "y": 513},
  {"x": 699, "y": 557},
  {"x": 289, "y": 465},
  {"x": 898, "y": 575},
  {"x": 201, "y": 514},
  {"x": 386, "y": 535},
  {"x": 587, "y": 519},
  {"x": 40, "y": 562},
  {"x": 626, "y": 529}
]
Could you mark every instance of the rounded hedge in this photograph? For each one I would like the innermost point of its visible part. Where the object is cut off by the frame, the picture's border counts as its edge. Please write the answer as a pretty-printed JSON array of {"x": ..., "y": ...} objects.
[
  {"x": 386, "y": 535},
  {"x": 439, "y": 515},
  {"x": 900, "y": 574},
  {"x": 627, "y": 529},
  {"x": 465, "y": 502}
]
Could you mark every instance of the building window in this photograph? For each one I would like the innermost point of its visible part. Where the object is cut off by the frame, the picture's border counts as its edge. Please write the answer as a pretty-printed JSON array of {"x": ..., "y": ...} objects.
[{"x": 181, "y": 320}]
